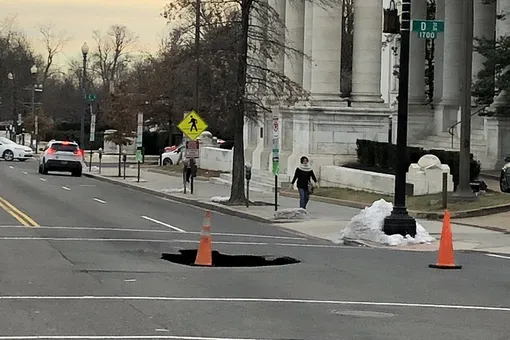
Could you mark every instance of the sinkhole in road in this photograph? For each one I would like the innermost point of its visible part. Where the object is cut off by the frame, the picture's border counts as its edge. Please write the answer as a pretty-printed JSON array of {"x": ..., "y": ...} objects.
[{"x": 187, "y": 257}]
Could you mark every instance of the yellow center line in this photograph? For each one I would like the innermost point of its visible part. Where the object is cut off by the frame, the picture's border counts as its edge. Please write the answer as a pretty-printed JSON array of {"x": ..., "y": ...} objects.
[{"x": 17, "y": 214}]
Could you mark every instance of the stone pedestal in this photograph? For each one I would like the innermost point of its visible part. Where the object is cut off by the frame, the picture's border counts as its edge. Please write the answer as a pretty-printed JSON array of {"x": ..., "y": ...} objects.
[
  {"x": 326, "y": 135},
  {"x": 498, "y": 141}
]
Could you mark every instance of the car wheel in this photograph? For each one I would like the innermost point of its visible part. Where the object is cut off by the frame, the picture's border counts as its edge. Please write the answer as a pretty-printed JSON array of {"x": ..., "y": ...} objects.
[
  {"x": 8, "y": 155},
  {"x": 76, "y": 173},
  {"x": 44, "y": 170},
  {"x": 40, "y": 170},
  {"x": 167, "y": 161},
  {"x": 22, "y": 159}
]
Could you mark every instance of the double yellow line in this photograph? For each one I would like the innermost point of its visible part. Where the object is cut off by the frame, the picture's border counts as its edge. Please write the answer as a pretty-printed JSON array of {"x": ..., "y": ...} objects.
[{"x": 17, "y": 214}]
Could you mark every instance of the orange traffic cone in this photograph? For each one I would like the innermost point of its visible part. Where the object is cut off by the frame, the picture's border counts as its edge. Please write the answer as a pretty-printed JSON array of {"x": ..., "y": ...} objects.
[
  {"x": 204, "y": 254},
  {"x": 445, "y": 258}
]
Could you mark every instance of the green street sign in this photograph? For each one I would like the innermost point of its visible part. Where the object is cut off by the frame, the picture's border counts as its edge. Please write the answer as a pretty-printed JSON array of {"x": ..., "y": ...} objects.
[
  {"x": 91, "y": 97},
  {"x": 428, "y": 29}
]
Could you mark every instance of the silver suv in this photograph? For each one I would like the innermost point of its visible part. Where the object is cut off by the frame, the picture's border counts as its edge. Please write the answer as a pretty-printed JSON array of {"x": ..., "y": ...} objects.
[{"x": 61, "y": 156}]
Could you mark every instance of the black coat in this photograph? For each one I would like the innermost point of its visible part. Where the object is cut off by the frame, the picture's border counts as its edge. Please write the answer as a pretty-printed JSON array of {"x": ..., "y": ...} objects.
[{"x": 303, "y": 178}]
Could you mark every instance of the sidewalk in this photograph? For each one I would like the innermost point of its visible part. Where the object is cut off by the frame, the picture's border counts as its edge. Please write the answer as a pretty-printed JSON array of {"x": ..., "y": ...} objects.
[{"x": 326, "y": 222}]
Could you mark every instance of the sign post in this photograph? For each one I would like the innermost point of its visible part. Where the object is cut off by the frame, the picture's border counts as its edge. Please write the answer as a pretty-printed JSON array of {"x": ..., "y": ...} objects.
[
  {"x": 276, "y": 154},
  {"x": 192, "y": 127},
  {"x": 428, "y": 29},
  {"x": 92, "y": 136},
  {"x": 139, "y": 142}
]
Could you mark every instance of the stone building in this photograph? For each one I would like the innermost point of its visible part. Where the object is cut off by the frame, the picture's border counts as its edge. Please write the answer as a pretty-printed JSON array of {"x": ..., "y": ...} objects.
[{"x": 326, "y": 127}]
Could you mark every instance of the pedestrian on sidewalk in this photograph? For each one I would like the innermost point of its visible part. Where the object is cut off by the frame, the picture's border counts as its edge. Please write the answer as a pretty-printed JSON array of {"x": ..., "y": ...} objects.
[{"x": 304, "y": 176}]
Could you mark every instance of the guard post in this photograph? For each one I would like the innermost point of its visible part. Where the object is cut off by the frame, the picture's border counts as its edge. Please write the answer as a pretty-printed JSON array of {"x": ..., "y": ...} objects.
[
  {"x": 100, "y": 159},
  {"x": 247, "y": 174},
  {"x": 124, "y": 161}
]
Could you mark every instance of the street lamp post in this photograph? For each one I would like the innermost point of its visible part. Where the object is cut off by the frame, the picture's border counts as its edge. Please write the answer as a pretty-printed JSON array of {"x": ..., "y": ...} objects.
[
  {"x": 84, "y": 52},
  {"x": 33, "y": 71},
  {"x": 399, "y": 222},
  {"x": 10, "y": 76}
]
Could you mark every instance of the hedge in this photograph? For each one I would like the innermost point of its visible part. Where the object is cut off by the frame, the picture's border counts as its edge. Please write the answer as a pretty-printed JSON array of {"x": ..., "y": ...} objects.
[{"x": 382, "y": 155}]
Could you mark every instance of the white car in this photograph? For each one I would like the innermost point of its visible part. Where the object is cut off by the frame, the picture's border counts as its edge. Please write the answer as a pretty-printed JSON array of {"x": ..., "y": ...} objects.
[
  {"x": 10, "y": 150},
  {"x": 172, "y": 157},
  {"x": 61, "y": 156}
]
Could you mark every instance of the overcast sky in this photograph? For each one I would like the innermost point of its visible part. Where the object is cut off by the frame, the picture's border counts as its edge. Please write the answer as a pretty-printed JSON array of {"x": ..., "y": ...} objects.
[{"x": 78, "y": 18}]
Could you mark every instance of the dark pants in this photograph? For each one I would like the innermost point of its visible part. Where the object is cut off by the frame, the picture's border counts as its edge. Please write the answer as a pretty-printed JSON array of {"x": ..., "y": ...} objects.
[{"x": 304, "y": 197}]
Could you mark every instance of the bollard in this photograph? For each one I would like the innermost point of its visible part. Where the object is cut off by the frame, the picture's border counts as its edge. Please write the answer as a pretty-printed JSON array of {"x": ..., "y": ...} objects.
[
  {"x": 247, "y": 169},
  {"x": 90, "y": 160},
  {"x": 193, "y": 169},
  {"x": 445, "y": 190},
  {"x": 138, "y": 175},
  {"x": 124, "y": 160},
  {"x": 100, "y": 159},
  {"x": 184, "y": 170}
]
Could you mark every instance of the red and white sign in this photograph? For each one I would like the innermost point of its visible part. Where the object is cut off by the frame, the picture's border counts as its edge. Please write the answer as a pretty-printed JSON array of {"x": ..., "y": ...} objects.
[{"x": 192, "y": 149}]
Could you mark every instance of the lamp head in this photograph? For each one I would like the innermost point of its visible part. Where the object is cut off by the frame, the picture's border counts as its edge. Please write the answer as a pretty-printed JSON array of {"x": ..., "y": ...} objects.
[
  {"x": 85, "y": 48},
  {"x": 33, "y": 69}
]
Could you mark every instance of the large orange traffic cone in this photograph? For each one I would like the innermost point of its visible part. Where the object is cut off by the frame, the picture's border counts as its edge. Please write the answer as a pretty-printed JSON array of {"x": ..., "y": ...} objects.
[
  {"x": 445, "y": 258},
  {"x": 204, "y": 254}
]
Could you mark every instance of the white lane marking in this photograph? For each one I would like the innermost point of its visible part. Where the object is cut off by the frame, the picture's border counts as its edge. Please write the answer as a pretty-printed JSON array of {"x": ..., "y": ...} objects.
[
  {"x": 66, "y": 188},
  {"x": 499, "y": 256},
  {"x": 11, "y": 167},
  {"x": 161, "y": 231},
  {"x": 175, "y": 337},
  {"x": 100, "y": 201},
  {"x": 80, "y": 239},
  {"x": 163, "y": 224},
  {"x": 42, "y": 179},
  {"x": 25, "y": 173},
  {"x": 257, "y": 300}
]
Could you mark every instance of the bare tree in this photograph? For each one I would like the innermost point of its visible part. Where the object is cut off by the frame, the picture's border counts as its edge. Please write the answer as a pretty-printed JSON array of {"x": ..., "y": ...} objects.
[
  {"x": 259, "y": 41},
  {"x": 112, "y": 54},
  {"x": 54, "y": 41}
]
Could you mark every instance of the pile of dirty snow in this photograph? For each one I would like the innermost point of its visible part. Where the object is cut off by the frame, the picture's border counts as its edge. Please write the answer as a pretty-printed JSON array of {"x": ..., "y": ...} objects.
[
  {"x": 368, "y": 226},
  {"x": 172, "y": 191},
  {"x": 291, "y": 214},
  {"x": 220, "y": 199}
]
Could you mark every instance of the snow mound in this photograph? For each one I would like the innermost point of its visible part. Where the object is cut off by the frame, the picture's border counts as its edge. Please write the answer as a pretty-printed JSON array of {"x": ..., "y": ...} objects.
[
  {"x": 172, "y": 191},
  {"x": 291, "y": 214},
  {"x": 136, "y": 180},
  {"x": 220, "y": 199},
  {"x": 368, "y": 226}
]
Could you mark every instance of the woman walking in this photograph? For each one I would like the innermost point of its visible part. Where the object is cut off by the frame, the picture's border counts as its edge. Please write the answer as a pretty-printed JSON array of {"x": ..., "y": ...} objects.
[{"x": 304, "y": 176}]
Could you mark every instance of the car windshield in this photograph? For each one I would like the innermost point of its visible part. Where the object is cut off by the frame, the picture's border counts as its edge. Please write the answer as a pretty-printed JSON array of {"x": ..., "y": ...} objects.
[
  {"x": 64, "y": 147},
  {"x": 4, "y": 140}
]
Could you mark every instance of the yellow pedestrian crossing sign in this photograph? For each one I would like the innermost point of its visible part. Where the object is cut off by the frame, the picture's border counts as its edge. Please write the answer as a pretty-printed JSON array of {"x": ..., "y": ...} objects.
[{"x": 192, "y": 125}]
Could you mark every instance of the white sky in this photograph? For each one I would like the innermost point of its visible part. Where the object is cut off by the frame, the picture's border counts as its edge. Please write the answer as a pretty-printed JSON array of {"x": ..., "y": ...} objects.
[{"x": 78, "y": 18}]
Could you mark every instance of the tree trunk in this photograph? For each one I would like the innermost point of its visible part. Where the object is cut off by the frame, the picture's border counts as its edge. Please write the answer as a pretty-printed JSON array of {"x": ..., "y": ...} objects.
[{"x": 237, "y": 194}]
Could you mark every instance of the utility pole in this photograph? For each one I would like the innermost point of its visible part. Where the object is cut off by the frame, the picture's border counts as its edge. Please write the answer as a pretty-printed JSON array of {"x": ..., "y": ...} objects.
[
  {"x": 464, "y": 190},
  {"x": 399, "y": 222},
  {"x": 197, "y": 56}
]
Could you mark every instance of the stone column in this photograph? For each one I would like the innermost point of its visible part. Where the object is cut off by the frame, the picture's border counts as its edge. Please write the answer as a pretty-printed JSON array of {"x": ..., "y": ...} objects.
[
  {"x": 278, "y": 63},
  {"x": 307, "y": 46},
  {"x": 366, "y": 65},
  {"x": 484, "y": 26},
  {"x": 502, "y": 29},
  {"x": 439, "y": 56},
  {"x": 446, "y": 113},
  {"x": 326, "y": 52},
  {"x": 417, "y": 63},
  {"x": 295, "y": 23}
]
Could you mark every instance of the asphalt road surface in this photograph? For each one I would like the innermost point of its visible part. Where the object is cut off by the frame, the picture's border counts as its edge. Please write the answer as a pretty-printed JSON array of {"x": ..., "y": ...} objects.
[{"x": 81, "y": 259}]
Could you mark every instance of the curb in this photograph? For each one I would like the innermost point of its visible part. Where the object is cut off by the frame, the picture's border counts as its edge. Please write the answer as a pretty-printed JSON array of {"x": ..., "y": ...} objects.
[
  {"x": 428, "y": 215},
  {"x": 196, "y": 203}
]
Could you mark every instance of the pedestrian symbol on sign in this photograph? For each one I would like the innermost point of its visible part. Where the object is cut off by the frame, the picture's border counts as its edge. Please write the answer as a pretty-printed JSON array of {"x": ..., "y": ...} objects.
[{"x": 193, "y": 123}]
